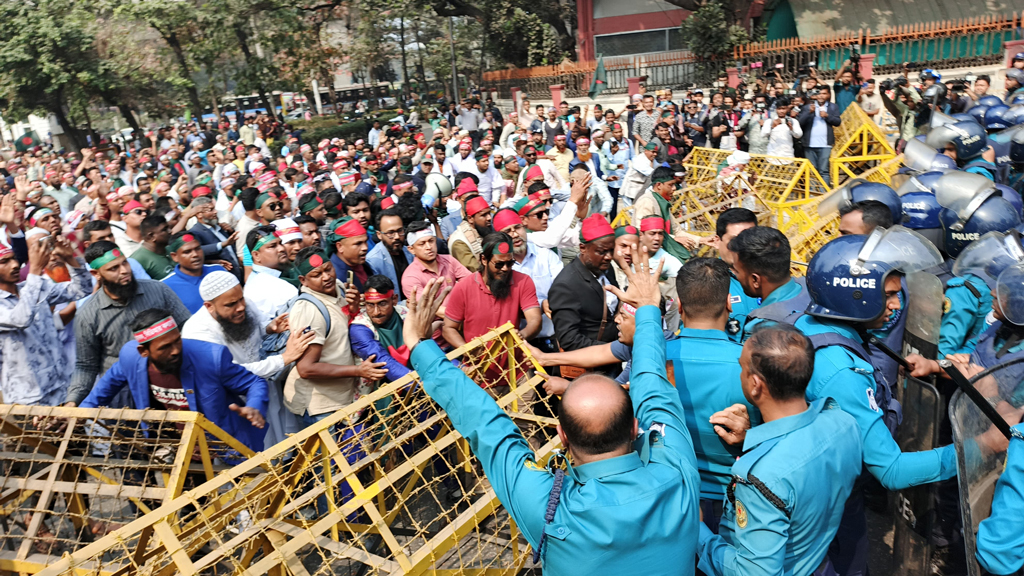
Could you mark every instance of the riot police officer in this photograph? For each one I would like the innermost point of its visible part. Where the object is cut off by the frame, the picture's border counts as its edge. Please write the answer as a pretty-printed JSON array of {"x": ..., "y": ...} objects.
[
  {"x": 729, "y": 224},
  {"x": 967, "y": 144},
  {"x": 761, "y": 259},
  {"x": 786, "y": 498},
  {"x": 854, "y": 284},
  {"x": 972, "y": 207},
  {"x": 920, "y": 208}
]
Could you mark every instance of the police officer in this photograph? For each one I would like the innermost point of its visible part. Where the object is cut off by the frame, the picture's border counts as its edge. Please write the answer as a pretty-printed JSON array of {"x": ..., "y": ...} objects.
[
  {"x": 1014, "y": 84},
  {"x": 1015, "y": 179},
  {"x": 761, "y": 261},
  {"x": 920, "y": 208},
  {"x": 1000, "y": 541},
  {"x": 967, "y": 144},
  {"x": 587, "y": 520},
  {"x": 788, "y": 489},
  {"x": 729, "y": 224},
  {"x": 854, "y": 283},
  {"x": 972, "y": 207},
  {"x": 707, "y": 360}
]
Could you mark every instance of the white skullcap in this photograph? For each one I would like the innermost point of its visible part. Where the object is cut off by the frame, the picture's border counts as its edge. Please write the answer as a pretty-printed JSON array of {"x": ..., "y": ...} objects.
[
  {"x": 215, "y": 284},
  {"x": 287, "y": 230}
]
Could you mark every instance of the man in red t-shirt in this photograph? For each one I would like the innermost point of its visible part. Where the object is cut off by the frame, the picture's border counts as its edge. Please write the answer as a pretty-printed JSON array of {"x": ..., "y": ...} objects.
[{"x": 491, "y": 297}]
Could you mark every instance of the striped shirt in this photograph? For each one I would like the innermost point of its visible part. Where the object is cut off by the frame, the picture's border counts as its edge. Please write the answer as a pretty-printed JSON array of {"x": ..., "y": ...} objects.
[{"x": 102, "y": 328}]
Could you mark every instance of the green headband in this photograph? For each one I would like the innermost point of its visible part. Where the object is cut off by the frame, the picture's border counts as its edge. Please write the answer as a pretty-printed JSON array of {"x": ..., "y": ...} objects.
[
  {"x": 176, "y": 243},
  {"x": 107, "y": 257},
  {"x": 662, "y": 179},
  {"x": 262, "y": 198},
  {"x": 310, "y": 205},
  {"x": 501, "y": 248},
  {"x": 314, "y": 261},
  {"x": 263, "y": 241}
]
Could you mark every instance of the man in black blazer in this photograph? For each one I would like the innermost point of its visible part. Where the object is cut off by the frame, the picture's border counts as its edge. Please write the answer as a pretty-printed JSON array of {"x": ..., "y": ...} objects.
[
  {"x": 817, "y": 119},
  {"x": 217, "y": 244},
  {"x": 581, "y": 309}
]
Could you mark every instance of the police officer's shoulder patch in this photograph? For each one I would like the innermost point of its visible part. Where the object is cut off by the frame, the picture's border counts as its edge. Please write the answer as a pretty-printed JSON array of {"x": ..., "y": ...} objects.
[
  {"x": 871, "y": 400},
  {"x": 947, "y": 305},
  {"x": 735, "y": 298},
  {"x": 741, "y": 514},
  {"x": 531, "y": 465}
]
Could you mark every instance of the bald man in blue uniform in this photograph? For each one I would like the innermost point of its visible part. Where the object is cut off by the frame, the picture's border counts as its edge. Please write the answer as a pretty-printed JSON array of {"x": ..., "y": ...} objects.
[{"x": 624, "y": 507}]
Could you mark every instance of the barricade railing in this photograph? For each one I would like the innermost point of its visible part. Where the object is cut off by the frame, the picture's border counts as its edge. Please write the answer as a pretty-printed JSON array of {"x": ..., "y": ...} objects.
[
  {"x": 384, "y": 486},
  {"x": 859, "y": 146}
]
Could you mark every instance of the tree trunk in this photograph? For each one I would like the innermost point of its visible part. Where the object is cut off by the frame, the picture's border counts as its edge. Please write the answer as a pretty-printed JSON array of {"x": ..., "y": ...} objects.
[
  {"x": 421, "y": 71},
  {"x": 243, "y": 42},
  {"x": 186, "y": 73},
  {"x": 75, "y": 139},
  {"x": 129, "y": 117}
]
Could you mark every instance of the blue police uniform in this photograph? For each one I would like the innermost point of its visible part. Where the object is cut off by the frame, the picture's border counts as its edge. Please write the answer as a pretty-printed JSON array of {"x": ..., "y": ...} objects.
[
  {"x": 787, "y": 496},
  {"x": 785, "y": 293},
  {"x": 842, "y": 375},
  {"x": 982, "y": 168},
  {"x": 963, "y": 314},
  {"x": 741, "y": 306},
  {"x": 1000, "y": 540},
  {"x": 709, "y": 364},
  {"x": 633, "y": 514}
]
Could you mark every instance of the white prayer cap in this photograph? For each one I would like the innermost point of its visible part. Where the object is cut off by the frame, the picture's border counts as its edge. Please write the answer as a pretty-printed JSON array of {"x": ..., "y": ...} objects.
[{"x": 215, "y": 284}]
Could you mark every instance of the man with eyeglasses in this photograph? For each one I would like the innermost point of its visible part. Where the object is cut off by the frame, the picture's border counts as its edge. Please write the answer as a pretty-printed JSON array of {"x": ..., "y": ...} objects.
[
  {"x": 390, "y": 257},
  {"x": 542, "y": 266},
  {"x": 548, "y": 170},
  {"x": 491, "y": 297},
  {"x": 130, "y": 239}
]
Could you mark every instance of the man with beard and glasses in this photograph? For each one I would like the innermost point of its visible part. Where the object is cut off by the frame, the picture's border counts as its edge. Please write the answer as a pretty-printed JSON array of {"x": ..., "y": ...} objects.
[
  {"x": 164, "y": 372},
  {"x": 465, "y": 243},
  {"x": 217, "y": 242},
  {"x": 390, "y": 257},
  {"x": 542, "y": 266},
  {"x": 189, "y": 270},
  {"x": 265, "y": 288},
  {"x": 225, "y": 318},
  {"x": 491, "y": 297},
  {"x": 102, "y": 323}
]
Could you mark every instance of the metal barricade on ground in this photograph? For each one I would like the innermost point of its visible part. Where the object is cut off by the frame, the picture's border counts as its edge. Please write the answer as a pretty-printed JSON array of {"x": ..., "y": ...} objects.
[
  {"x": 860, "y": 145},
  {"x": 383, "y": 486},
  {"x": 72, "y": 474}
]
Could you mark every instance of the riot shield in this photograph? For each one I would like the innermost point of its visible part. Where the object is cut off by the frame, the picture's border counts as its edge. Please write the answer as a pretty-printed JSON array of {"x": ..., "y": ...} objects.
[
  {"x": 922, "y": 412},
  {"x": 980, "y": 453}
]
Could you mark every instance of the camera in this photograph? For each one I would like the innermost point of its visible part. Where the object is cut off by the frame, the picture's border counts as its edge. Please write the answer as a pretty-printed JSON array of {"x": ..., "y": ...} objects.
[
  {"x": 813, "y": 92},
  {"x": 958, "y": 86},
  {"x": 854, "y": 55}
]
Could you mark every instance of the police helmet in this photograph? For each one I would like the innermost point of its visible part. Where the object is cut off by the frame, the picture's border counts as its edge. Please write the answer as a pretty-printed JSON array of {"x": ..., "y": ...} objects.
[
  {"x": 963, "y": 117},
  {"x": 943, "y": 162},
  {"x": 1012, "y": 196},
  {"x": 988, "y": 100},
  {"x": 969, "y": 139},
  {"x": 989, "y": 255},
  {"x": 1015, "y": 74},
  {"x": 977, "y": 113},
  {"x": 921, "y": 157},
  {"x": 922, "y": 182},
  {"x": 1010, "y": 294},
  {"x": 1016, "y": 99},
  {"x": 960, "y": 228},
  {"x": 846, "y": 277},
  {"x": 859, "y": 190},
  {"x": 1017, "y": 147},
  {"x": 928, "y": 72},
  {"x": 996, "y": 117},
  {"x": 921, "y": 214}
]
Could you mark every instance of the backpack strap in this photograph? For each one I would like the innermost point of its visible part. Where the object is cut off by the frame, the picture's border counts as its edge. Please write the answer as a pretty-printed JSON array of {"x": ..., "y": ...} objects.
[{"x": 319, "y": 306}]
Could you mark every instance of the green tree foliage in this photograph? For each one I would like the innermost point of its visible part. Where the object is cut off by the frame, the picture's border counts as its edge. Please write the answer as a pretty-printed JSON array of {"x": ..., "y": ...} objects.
[{"x": 708, "y": 34}]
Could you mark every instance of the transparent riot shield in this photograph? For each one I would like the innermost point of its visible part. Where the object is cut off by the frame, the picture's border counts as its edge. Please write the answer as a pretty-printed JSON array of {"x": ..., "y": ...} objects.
[
  {"x": 915, "y": 512},
  {"x": 980, "y": 446}
]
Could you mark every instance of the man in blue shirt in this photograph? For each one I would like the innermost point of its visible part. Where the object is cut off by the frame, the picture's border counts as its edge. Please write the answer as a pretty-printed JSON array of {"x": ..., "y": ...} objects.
[
  {"x": 708, "y": 362},
  {"x": 847, "y": 86},
  {"x": 187, "y": 252},
  {"x": 788, "y": 489},
  {"x": 729, "y": 224},
  {"x": 599, "y": 524},
  {"x": 817, "y": 119},
  {"x": 761, "y": 261}
]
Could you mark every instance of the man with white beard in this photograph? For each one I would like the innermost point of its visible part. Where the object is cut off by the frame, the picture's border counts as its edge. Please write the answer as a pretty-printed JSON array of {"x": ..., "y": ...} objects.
[{"x": 227, "y": 319}]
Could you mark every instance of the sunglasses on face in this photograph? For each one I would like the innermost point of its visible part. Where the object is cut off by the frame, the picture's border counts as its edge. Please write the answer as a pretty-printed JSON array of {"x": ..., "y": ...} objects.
[
  {"x": 540, "y": 214},
  {"x": 274, "y": 205},
  {"x": 138, "y": 212},
  {"x": 505, "y": 264}
]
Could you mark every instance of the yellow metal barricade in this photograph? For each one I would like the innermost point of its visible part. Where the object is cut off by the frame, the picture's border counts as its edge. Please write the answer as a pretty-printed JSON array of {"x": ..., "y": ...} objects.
[
  {"x": 72, "y": 474},
  {"x": 859, "y": 146},
  {"x": 385, "y": 486}
]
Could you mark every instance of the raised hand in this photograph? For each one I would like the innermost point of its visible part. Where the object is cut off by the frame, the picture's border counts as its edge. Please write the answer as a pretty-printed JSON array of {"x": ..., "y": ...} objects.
[{"x": 643, "y": 285}]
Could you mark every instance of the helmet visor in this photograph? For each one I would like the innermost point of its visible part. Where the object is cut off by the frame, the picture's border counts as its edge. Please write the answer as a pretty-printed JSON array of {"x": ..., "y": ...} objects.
[
  {"x": 901, "y": 248},
  {"x": 913, "y": 184},
  {"x": 1010, "y": 294},
  {"x": 939, "y": 136},
  {"x": 989, "y": 255},
  {"x": 838, "y": 198},
  {"x": 956, "y": 189},
  {"x": 918, "y": 156}
]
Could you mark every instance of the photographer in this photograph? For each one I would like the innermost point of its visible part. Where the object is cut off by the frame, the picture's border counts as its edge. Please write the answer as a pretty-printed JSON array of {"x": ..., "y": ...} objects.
[
  {"x": 981, "y": 85},
  {"x": 781, "y": 130},
  {"x": 958, "y": 100},
  {"x": 870, "y": 102},
  {"x": 847, "y": 83},
  {"x": 751, "y": 125},
  {"x": 806, "y": 79},
  {"x": 902, "y": 106}
]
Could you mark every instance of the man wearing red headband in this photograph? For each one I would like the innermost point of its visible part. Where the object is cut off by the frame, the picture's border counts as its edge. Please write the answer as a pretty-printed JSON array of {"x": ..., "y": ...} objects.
[
  {"x": 465, "y": 243},
  {"x": 657, "y": 201},
  {"x": 491, "y": 297},
  {"x": 377, "y": 331},
  {"x": 581, "y": 308},
  {"x": 347, "y": 244},
  {"x": 164, "y": 372},
  {"x": 652, "y": 237},
  {"x": 545, "y": 170}
]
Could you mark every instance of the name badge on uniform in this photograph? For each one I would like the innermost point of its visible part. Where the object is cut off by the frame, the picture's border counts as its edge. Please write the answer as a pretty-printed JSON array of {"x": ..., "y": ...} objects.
[{"x": 735, "y": 299}]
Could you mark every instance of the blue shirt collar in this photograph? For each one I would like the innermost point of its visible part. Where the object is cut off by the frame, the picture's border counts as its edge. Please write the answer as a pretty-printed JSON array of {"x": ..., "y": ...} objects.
[
  {"x": 787, "y": 291},
  {"x": 776, "y": 428},
  {"x": 707, "y": 334},
  {"x": 608, "y": 467}
]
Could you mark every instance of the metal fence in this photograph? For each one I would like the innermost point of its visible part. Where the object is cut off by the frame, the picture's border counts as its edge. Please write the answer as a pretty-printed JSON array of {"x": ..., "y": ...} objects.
[{"x": 661, "y": 70}]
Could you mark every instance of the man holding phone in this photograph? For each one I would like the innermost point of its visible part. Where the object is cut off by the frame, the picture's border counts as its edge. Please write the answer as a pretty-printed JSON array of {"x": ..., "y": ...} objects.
[{"x": 817, "y": 120}]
